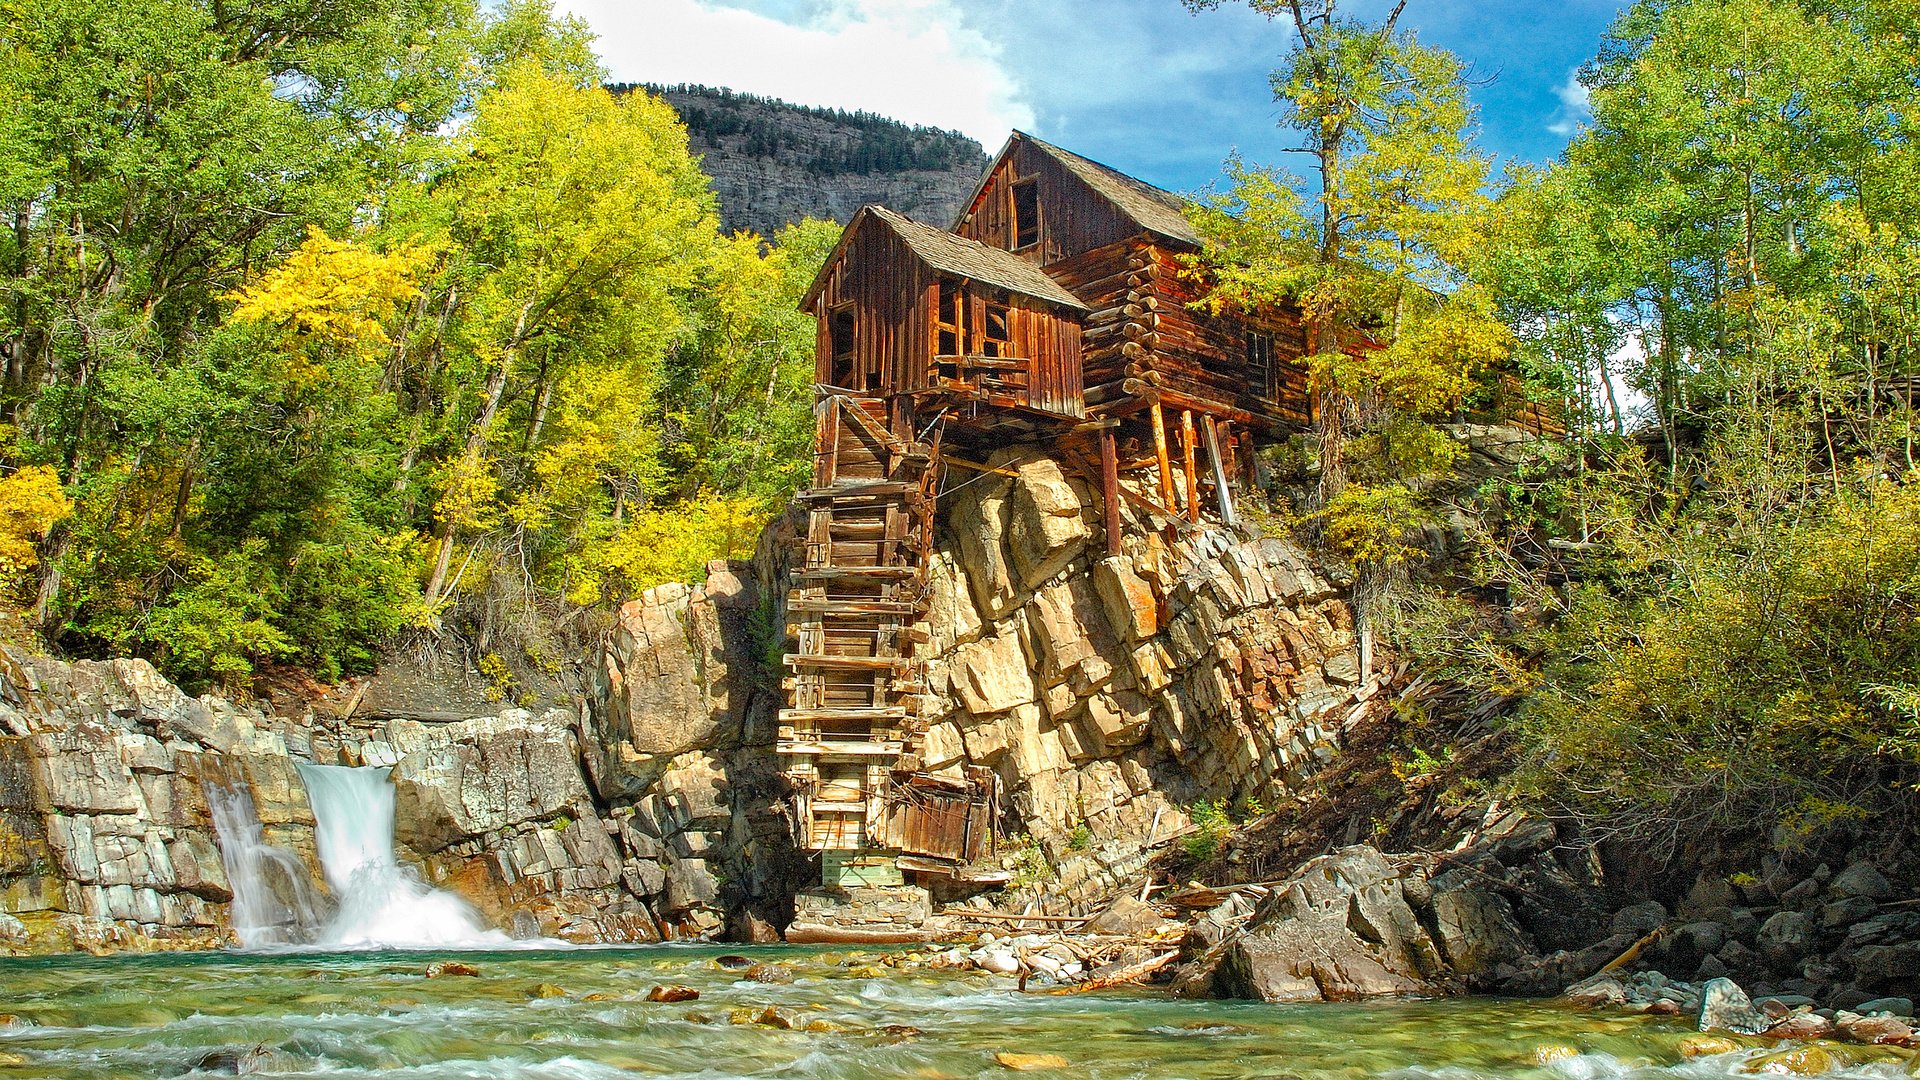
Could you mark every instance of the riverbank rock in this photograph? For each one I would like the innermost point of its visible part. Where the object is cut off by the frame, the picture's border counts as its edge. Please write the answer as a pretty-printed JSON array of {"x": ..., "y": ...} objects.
[
  {"x": 1726, "y": 1007},
  {"x": 1340, "y": 929}
]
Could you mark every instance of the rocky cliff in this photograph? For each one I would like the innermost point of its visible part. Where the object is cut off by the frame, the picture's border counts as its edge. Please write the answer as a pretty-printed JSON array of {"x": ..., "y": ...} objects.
[
  {"x": 1109, "y": 694},
  {"x": 773, "y": 163}
]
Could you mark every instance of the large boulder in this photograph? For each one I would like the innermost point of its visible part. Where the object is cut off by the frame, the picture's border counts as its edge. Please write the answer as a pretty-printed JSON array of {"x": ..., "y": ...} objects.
[
  {"x": 1045, "y": 529},
  {"x": 1475, "y": 927},
  {"x": 992, "y": 675},
  {"x": 676, "y": 676},
  {"x": 1787, "y": 940},
  {"x": 484, "y": 775},
  {"x": 1340, "y": 929}
]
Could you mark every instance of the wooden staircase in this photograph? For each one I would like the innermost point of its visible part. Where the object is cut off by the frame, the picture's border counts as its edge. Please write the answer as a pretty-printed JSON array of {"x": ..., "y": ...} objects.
[{"x": 852, "y": 701}]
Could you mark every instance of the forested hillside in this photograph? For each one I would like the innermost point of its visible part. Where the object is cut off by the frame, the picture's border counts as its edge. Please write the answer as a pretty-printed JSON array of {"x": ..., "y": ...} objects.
[
  {"x": 1714, "y": 582},
  {"x": 774, "y": 163},
  {"x": 325, "y": 325}
]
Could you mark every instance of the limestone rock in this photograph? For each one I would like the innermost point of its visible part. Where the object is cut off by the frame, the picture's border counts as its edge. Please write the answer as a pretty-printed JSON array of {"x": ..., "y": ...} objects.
[
  {"x": 1862, "y": 880},
  {"x": 1045, "y": 528},
  {"x": 1126, "y": 917},
  {"x": 673, "y": 678},
  {"x": 980, "y": 516},
  {"x": 1131, "y": 607},
  {"x": 1476, "y": 929},
  {"x": 1339, "y": 929},
  {"x": 1785, "y": 939},
  {"x": 485, "y": 775},
  {"x": 992, "y": 675}
]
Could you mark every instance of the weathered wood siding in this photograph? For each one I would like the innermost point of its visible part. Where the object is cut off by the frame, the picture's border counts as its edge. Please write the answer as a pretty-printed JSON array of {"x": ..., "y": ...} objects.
[
  {"x": 1204, "y": 357},
  {"x": 894, "y": 299},
  {"x": 1072, "y": 218},
  {"x": 891, "y": 293}
]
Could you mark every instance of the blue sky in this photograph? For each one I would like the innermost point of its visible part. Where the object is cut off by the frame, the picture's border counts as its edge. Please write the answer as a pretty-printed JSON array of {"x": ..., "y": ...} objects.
[{"x": 1142, "y": 85}]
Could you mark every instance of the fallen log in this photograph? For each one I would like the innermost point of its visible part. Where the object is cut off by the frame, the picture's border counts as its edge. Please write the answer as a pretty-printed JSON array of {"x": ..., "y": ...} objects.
[
  {"x": 1129, "y": 974},
  {"x": 1011, "y": 917},
  {"x": 814, "y": 934}
]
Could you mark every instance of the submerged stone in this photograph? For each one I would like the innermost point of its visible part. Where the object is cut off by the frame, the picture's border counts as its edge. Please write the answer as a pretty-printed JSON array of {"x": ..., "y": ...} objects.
[
  {"x": 1030, "y": 1062},
  {"x": 1726, "y": 1007}
]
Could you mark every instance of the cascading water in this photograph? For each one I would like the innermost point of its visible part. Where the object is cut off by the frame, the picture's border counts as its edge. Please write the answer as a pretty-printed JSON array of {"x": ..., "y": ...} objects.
[
  {"x": 273, "y": 901},
  {"x": 382, "y": 904}
]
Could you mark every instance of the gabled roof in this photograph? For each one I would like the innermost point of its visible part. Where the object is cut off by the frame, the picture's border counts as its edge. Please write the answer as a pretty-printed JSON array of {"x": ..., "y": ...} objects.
[
  {"x": 954, "y": 254},
  {"x": 1154, "y": 209}
]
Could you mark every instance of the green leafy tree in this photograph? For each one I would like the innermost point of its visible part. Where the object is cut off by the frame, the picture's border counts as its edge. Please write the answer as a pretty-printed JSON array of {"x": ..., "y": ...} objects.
[{"x": 1374, "y": 250}]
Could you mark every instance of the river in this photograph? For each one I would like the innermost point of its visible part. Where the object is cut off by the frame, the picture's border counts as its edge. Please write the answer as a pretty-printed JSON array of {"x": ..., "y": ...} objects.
[{"x": 583, "y": 1013}]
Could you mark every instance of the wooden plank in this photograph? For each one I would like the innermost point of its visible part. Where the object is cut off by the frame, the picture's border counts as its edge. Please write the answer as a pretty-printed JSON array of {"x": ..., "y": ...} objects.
[
  {"x": 833, "y": 573},
  {"x": 1220, "y": 489},
  {"x": 1110, "y": 490},
  {"x": 869, "y": 749},
  {"x": 1160, "y": 453},
  {"x": 1148, "y": 504},
  {"x": 1188, "y": 468},
  {"x": 846, "y": 663},
  {"x": 856, "y": 490},
  {"x": 949, "y": 459}
]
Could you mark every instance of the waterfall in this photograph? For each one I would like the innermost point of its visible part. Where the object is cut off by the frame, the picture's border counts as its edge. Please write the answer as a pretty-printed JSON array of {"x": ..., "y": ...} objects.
[
  {"x": 382, "y": 904},
  {"x": 273, "y": 901}
]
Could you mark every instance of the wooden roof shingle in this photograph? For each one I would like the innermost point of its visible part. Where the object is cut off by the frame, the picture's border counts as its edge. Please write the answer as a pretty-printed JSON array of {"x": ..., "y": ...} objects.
[
  {"x": 1155, "y": 210},
  {"x": 956, "y": 255}
]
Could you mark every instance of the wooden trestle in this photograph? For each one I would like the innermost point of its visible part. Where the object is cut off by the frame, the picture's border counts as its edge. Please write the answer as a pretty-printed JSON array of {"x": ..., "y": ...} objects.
[{"x": 852, "y": 702}]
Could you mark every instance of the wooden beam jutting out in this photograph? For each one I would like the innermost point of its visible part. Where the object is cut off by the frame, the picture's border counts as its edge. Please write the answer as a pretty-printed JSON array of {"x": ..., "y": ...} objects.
[
  {"x": 1190, "y": 467},
  {"x": 1220, "y": 489},
  {"x": 1110, "y": 489},
  {"x": 1166, "y": 461}
]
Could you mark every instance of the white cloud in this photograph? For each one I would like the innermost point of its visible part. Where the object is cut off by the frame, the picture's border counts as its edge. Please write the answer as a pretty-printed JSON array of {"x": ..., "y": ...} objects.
[
  {"x": 913, "y": 60},
  {"x": 1576, "y": 107}
]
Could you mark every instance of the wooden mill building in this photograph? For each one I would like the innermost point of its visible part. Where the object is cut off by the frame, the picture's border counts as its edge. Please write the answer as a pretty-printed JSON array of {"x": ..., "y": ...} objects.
[{"x": 1054, "y": 311}]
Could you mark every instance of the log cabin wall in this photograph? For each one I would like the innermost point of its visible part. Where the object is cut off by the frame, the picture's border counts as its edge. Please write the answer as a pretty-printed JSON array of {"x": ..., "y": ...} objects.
[
  {"x": 1208, "y": 359},
  {"x": 1073, "y": 218},
  {"x": 1104, "y": 279}
]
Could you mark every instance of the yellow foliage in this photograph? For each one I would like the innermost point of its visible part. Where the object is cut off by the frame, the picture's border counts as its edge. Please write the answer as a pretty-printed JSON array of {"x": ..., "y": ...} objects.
[
  {"x": 338, "y": 291},
  {"x": 1375, "y": 526},
  {"x": 470, "y": 498},
  {"x": 672, "y": 543},
  {"x": 31, "y": 502}
]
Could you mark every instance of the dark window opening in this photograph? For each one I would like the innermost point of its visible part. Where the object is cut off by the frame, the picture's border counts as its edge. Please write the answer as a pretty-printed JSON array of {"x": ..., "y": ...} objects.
[
  {"x": 1026, "y": 214},
  {"x": 994, "y": 339},
  {"x": 950, "y": 320},
  {"x": 840, "y": 336},
  {"x": 1260, "y": 364}
]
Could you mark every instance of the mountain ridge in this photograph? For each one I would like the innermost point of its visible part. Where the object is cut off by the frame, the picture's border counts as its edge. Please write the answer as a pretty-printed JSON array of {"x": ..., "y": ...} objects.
[{"x": 773, "y": 163}]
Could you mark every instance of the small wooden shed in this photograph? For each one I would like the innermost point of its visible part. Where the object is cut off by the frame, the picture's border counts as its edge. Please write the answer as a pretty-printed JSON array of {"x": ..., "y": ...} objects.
[{"x": 905, "y": 308}]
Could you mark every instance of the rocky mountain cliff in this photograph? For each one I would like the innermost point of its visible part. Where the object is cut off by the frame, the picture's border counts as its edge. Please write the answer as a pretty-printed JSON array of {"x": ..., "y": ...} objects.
[{"x": 773, "y": 163}]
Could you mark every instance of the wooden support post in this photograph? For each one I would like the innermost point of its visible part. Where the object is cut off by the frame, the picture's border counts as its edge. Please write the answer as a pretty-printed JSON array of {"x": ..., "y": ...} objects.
[
  {"x": 1220, "y": 489},
  {"x": 1166, "y": 462},
  {"x": 1191, "y": 468},
  {"x": 1110, "y": 489}
]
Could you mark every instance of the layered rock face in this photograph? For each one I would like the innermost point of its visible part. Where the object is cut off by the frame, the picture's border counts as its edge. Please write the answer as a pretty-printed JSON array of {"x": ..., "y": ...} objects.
[
  {"x": 773, "y": 164},
  {"x": 1108, "y": 693},
  {"x": 1357, "y": 923},
  {"x": 105, "y": 833},
  {"x": 1111, "y": 693},
  {"x": 588, "y": 824}
]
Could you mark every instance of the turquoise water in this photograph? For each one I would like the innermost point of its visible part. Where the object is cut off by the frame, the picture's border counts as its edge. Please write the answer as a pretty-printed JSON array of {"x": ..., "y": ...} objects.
[{"x": 583, "y": 1013}]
